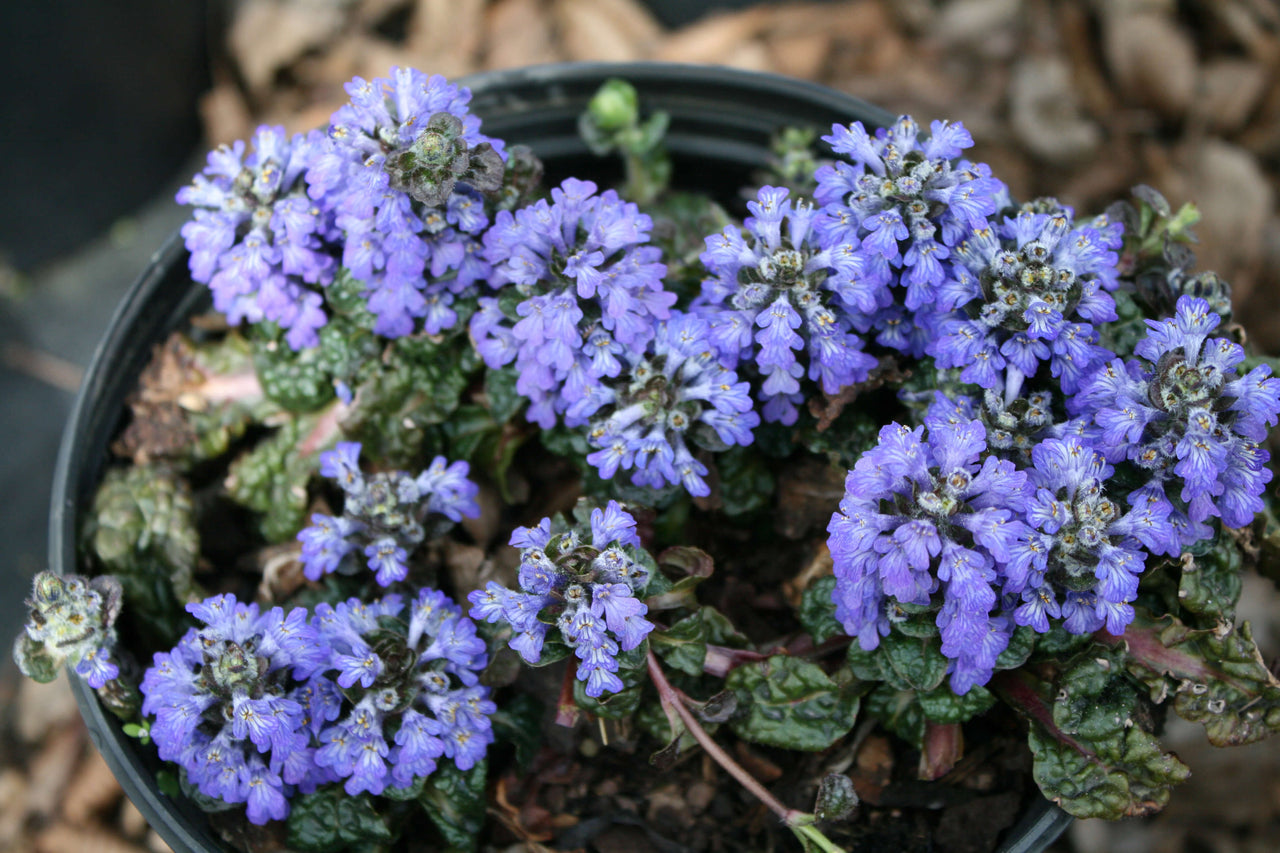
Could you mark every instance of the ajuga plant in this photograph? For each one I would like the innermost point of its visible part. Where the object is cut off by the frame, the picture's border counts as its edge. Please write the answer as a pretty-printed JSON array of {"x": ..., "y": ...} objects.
[{"x": 893, "y": 451}]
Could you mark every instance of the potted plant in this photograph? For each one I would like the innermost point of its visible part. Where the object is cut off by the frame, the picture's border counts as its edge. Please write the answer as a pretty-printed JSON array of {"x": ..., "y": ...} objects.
[{"x": 488, "y": 470}]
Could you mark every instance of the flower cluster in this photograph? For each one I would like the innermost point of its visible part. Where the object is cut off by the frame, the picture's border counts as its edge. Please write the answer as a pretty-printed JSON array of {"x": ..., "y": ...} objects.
[
  {"x": 229, "y": 704},
  {"x": 580, "y": 286},
  {"x": 903, "y": 203},
  {"x": 256, "y": 238},
  {"x": 384, "y": 512},
  {"x": 71, "y": 619},
  {"x": 413, "y": 688},
  {"x": 1037, "y": 285},
  {"x": 784, "y": 281},
  {"x": 920, "y": 511},
  {"x": 673, "y": 393},
  {"x": 404, "y": 168},
  {"x": 257, "y": 706},
  {"x": 588, "y": 592},
  {"x": 1183, "y": 415},
  {"x": 398, "y": 183}
]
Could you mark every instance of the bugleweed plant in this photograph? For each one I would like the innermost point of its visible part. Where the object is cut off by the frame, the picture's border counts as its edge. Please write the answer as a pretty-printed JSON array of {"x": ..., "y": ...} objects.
[{"x": 1042, "y": 442}]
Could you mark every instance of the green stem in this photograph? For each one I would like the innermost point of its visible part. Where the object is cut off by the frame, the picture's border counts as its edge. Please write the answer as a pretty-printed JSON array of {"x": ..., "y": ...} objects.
[{"x": 801, "y": 823}]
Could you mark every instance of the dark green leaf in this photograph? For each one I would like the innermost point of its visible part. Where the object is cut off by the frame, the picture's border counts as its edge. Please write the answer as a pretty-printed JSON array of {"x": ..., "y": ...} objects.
[
  {"x": 614, "y": 706},
  {"x": 917, "y": 663},
  {"x": 898, "y": 711},
  {"x": 818, "y": 610},
  {"x": 500, "y": 392},
  {"x": 1021, "y": 644},
  {"x": 518, "y": 721},
  {"x": 412, "y": 792},
  {"x": 455, "y": 801},
  {"x": 271, "y": 479},
  {"x": 1217, "y": 677},
  {"x": 941, "y": 705},
  {"x": 34, "y": 661},
  {"x": 1211, "y": 583},
  {"x": 791, "y": 703},
  {"x": 746, "y": 483},
  {"x": 329, "y": 820}
]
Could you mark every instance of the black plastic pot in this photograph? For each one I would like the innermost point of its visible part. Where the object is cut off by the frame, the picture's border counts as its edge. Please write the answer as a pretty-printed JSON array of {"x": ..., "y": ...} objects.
[{"x": 721, "y": 121}]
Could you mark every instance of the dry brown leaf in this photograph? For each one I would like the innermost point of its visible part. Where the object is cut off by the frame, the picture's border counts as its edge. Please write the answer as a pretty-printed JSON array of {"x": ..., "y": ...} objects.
[
  {"x": 518, "y": 33},
  {"x": 802, "y": 55},
  {"x": 1044, "y": 113},
  {"x": 444, "y": 36},
  {"x": 92, "y": 789},
  {"x": 225, "y": 115},
  {"x": 44, "y": 707},
  {"x": 590, "y": 33},
  {"x": 268, "y": 35},
  {"x": 131, "y": 821},
  {"x": 1230, "y": 90},
  {"x": 64, "y": 838},
  {"x": 13, "y": 806},
  {"x": 1152, "y": 61},
  {"x": 711, "y": 39},
  {"x": 51, "y": 770}
]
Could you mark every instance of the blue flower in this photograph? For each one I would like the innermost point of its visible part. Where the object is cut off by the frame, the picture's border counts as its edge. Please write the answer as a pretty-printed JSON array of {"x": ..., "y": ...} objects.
[
  {"x": 785, "y": 282},
  {"x": 256, "y": 238},
  {"x": 643, "y": 421},
  {"x": 1045, "y": 284},
  {"x": 1183, "y": 415},
  {"x": 228, "y": 703},
  {"x": 924, "y": 514},
  {"x": 901, "y": 204},
  {"x": 415, "y": 258},
  {"x": 585, "y": 274},
  {"x": 589, "y": 589},
  {"x": 71, "y": 619},
  {"x": 383, "y": 513},
  {"x": 428, "y": 705}
]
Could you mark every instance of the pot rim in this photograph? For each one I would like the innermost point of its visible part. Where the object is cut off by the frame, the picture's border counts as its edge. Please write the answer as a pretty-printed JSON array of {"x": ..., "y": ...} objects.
[{"x": 495, "y": 94}]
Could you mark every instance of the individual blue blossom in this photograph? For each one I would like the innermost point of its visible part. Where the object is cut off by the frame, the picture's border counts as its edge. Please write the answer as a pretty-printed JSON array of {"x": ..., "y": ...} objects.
[
  {"x": 587, "y": 590},
  {"x": 412, "y": 688},
  {"x": 1185, "y": 417},
  {"x": 925, "y": 514},
  {"x": 1081, "y": 541},
  {"x": 257, "y": 239},
  {"x": 772, "y": 294},
  {"x": 672, "y": 394},
  {"x": 1038, "y": 289},
  {"x": 229, "y": 703},
  {"x": 383, "y": 514},
  {"x": 70, "y": 620},
  {"x": 903, "y": 203},
  {"x": 415, "y": 248},
  {"x": 579, "y": 284}
]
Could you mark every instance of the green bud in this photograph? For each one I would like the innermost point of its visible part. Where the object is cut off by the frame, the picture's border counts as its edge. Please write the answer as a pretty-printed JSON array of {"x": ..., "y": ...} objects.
[{"x": 615, "y": 106}]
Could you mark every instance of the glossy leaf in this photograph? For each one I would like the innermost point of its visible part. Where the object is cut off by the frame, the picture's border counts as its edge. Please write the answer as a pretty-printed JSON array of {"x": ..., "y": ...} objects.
[
  {"x": 818, "y": 610},
  {"x": 330, "y": 820},
  {"x": 791, "y": 703},
  {"x": 455, "y": 801}
]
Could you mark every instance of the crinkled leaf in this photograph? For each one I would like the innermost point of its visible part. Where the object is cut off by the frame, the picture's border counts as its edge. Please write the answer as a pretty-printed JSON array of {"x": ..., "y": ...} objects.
[
  {"x": 620, "y": 705},
  {"x": 746, "y": 483},
  {"x": 417, "y": 387},
  {"x": 1021, "y": 644},
  {"x": 684, "y": 644},
  {"x": 500, "y": 393},
  {"x": 836, "y": 798},
  {"x": 898, "y": 711},
  {"x": 1210, "y": 584},
  {"x": 912, "y": 662},
  {"x": 518, "y": 721},
  {"x": 1217, "y": 677},
  {"x": 818, "y": 610},
  {"x": 1092, "y": 755},
  {"x": 791, "y": 703},
  {"x": 411, "y": 792},
  {"x": 271, "y": 479},
  {"x": 141, "y": 529},
  {"x": 329, "y": 820},
  {"x": 690, "y": 565},
  {"x": 455, "y": 801},
  {"x": 33, "y": 660},
  {"x": 941, "y": 705}
]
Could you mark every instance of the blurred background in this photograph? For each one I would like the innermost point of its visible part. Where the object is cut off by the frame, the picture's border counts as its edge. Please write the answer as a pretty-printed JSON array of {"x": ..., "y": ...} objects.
[{"x": 108, "y": 109}]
